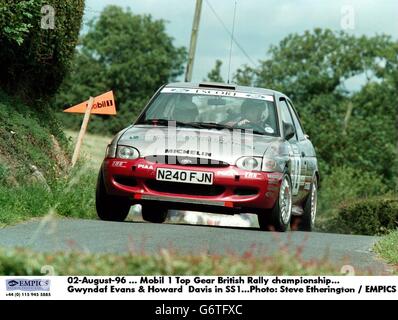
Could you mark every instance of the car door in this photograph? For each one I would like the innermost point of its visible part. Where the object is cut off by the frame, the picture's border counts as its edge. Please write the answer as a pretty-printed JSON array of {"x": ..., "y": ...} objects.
[
  {"x": 294, "y": 152},
  {"x": 306, "y": 152}
]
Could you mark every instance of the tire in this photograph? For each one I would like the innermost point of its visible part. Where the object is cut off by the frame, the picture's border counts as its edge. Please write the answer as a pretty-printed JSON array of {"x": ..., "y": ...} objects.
[
  {"x": 306, "y": 221},
  {"x": 154, "y": 213},
  {"x": 110, "y": 208},
  {"x": 278, "y": 219}
]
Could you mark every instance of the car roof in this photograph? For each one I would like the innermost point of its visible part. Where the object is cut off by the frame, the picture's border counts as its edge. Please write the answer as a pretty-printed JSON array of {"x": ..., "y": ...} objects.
[{"x": 224, "y": 86}]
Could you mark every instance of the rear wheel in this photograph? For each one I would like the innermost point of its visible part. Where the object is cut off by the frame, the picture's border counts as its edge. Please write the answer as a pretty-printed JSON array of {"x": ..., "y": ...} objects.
[
  {"x": 279, "y": 217},
  {"x": 154, "y": 213},
  {"x": 306, "y": 221},
  {"x": 110, "y": 208}
]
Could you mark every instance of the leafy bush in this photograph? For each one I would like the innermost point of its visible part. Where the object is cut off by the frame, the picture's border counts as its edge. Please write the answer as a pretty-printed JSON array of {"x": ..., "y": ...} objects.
[
  {"x": 373, "y": 216},
  {"x": 387, "y": 248},
  {"x": 34, "y": 60},
  {"x": 24, "y": 262},
  {"x": 344, "y": 184},
  {"x": 15, "y": 18}
]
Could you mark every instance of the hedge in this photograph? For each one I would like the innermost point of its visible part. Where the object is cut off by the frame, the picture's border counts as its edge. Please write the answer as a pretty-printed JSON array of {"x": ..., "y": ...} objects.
[
  {"x": 35, "y": 60},
  {"x": 372, "y": 216}
]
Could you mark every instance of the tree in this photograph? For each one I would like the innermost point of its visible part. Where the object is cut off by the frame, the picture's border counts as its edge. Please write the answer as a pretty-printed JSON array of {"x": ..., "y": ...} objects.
[
  {"x": 351, "y": 128},
  {"x": 131, "y": 54},
  {"x": 215, "y": 74}
]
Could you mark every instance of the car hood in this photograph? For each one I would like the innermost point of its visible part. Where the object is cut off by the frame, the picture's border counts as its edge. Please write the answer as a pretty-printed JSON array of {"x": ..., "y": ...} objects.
[{"x": 220, "y": 145}]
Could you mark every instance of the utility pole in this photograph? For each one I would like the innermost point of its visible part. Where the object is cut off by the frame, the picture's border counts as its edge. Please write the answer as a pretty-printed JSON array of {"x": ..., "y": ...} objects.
[{"x": 194, "y": 38}]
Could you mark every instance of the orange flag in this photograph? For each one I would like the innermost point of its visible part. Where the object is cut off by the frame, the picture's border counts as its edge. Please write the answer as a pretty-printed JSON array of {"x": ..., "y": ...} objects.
[{"x": 103, "y": 104}]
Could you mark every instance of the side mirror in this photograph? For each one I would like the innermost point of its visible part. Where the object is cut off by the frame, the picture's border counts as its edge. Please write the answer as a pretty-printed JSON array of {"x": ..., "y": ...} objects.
[{"x": 288, "y": 130}]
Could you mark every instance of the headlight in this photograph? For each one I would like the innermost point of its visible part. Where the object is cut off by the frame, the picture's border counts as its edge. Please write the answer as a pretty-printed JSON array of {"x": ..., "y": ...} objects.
[
  {"x": 125, "y": 152},
  {"x": 249, "y": 163}
]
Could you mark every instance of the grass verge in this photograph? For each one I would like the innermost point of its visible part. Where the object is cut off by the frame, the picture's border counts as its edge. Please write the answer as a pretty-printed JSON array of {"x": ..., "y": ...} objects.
[
  {"x": 35, "y": 174},
  {"x": 72, "y": 195},
  {"x": 93, "y": 147},
  {"x": 25, "y": 262},
  {"x": 387, "y": 249}
]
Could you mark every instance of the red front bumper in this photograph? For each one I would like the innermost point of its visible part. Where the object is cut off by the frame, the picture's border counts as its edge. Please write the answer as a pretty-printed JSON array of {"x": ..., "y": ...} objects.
[{"x": 232, "y": 188}]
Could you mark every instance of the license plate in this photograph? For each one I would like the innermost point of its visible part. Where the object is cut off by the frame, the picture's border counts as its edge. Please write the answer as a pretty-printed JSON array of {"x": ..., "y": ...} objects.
[{"x": 184, "y": 176}]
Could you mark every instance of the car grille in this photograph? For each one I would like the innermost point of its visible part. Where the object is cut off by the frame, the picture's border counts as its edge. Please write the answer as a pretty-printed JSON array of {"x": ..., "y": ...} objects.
[
  {"x": 245, "y": 191},
  {"x": 185, "y": 188},
  {"x": 186, "y": 161},
  {"x": 126, "y": 181}
]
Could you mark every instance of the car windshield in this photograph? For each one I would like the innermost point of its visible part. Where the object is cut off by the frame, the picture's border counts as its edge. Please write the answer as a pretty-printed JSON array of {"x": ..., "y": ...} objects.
[{"x": 213, "y": 109}]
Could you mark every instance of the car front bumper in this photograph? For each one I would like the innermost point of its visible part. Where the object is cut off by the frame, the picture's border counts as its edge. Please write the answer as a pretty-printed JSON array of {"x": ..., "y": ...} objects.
[{"x": 233, "y": 190}]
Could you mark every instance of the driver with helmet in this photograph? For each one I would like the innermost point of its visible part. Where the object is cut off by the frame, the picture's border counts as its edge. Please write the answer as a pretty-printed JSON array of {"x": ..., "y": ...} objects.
[{"x": 252, "y": 112}]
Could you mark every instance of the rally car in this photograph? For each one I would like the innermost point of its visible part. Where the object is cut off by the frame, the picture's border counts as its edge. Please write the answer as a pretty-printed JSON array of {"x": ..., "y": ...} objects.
[{"x": 217, "y": 148}]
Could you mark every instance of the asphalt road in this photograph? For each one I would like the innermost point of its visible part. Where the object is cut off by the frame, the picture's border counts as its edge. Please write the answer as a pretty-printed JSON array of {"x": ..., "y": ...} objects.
[{"x": 100, "y": 236}]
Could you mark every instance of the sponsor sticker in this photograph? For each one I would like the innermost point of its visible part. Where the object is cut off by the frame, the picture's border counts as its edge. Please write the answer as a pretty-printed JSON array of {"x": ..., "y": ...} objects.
[
  {"x": 224, "y": 93},
  {"x": 269, "y": 130},
  {"x": 145, "y": 166},
  {"x": 119, "y": 164},
  {"x": 227, "y": 173},
  {"x": 275, "y": 176},
  {"x": 102, "y": 104},
  {"x": 250, "y": 175}
]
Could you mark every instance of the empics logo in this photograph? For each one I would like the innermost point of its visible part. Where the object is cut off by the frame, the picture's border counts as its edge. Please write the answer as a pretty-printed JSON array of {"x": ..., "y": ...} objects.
[
  {"x": 28, "y": 284},
  {"x": 12, "y": 283}
]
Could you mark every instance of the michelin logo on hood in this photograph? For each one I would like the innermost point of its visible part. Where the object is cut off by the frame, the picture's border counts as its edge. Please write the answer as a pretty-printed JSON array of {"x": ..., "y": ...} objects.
[{"x": 189, "y": 152}]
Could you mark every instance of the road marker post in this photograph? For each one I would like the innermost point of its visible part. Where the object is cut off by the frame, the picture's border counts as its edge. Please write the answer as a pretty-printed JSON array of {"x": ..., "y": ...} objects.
[
  {"x": 102, "y": 104},
  {"x": 82, "y": 132}
]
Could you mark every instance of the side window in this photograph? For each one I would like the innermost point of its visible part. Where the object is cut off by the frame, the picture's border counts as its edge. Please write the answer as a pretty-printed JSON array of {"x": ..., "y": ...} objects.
[
  {"x": 297, "y": 124},
  {"x": 285, "y": 114}
]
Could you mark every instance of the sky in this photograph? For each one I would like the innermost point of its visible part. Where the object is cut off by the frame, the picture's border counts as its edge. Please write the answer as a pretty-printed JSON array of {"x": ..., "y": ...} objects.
[{"x": 258, "y": 24}]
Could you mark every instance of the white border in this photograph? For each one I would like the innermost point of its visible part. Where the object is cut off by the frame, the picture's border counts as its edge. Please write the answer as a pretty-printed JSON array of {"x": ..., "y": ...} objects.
[{"x": 211, "y": 288}]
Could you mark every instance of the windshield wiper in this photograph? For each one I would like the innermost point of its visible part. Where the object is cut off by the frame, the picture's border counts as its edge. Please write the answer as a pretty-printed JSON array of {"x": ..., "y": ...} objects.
[
  {"x": 200, "y": 125},
  {"x": 211, "y": 125},
  {"x": 166, "y": 122},
  {"x": 257, "y": 132},
  {"x": 251, "y": 130}
]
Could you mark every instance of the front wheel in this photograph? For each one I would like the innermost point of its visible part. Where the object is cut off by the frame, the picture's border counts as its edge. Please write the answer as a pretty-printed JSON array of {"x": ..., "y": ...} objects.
[
  {"x": 279, "y": 217},
  {"x": 110, "y": 208},
  {"x": 306, "y": 221}
]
